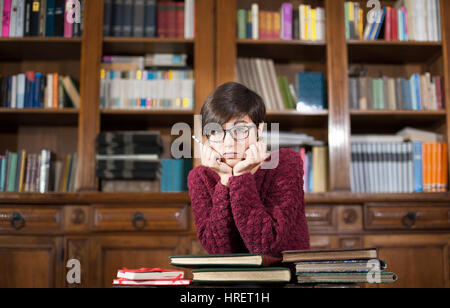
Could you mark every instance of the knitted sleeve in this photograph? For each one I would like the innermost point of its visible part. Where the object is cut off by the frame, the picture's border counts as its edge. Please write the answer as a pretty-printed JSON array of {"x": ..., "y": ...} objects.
[
  {"x": 280, "y": 224},
  {"x": 212, "y": 214}
]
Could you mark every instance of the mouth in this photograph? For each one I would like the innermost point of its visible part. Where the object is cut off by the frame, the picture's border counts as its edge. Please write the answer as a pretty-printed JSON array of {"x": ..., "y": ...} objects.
[{"x": 230, "y": 155}]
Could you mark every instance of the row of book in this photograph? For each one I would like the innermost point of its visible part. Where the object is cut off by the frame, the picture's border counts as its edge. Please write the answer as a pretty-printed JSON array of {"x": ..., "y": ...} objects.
[
  {"x": 407, "y": 20},
  {"x": 149, "y": 18},
  {"x": 38, "y": 90},
  {"x": 289, "y": 23},
  {"x": 37, "y": 172},
  {"x": 419, "y": 92},
  {"x": 130, "y": 161},
  {"x": 344, "y": 267},
  {"x": 308, "y": 92},
  {"x": 130, "y": 63},
  {"x": 388, "y": 164},
  {"x": 48, "y": 18}
]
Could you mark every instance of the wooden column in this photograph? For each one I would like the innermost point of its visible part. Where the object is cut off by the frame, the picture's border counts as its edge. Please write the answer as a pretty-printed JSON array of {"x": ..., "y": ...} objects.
[
  {"x": 339, "y": 116},
  {"x": 89, "y": 118},
  {"x": 226, "y": 50},
  {"x": 445, "y": 20},
  {"x": 204, "y": 64}
]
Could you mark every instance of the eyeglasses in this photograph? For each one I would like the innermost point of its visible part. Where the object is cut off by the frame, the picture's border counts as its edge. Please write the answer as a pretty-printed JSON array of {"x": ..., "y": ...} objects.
[{"x": 237, "y": 133}]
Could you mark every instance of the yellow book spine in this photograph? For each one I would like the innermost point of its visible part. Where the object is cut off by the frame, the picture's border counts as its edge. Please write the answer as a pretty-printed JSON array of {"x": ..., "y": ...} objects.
[
  {"x": 313, "y": 25},
  {"x": 22, "y": 171}
]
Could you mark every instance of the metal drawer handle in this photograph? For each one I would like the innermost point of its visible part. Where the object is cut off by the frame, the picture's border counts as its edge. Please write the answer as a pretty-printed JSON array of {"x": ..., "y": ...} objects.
[
  {"x": 139, "y": 221},
  {"x": 17, "y": 221},
  {"x": 409, "y": 220}
]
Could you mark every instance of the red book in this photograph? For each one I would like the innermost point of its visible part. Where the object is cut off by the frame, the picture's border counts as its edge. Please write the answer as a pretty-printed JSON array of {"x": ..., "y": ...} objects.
[
  {"x": 171, "y": 19},
  {"x": 437, "y": 82},
  {"x": 394, "y": 26},
  {"x": 162, "y": 19},
  {"x": 388, "y": 24},
  {"x": 179, "y": 19}
]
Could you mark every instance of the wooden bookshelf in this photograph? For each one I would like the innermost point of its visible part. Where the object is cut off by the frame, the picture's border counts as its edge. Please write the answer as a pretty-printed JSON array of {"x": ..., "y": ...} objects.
[{"x": 100, "y": 228}]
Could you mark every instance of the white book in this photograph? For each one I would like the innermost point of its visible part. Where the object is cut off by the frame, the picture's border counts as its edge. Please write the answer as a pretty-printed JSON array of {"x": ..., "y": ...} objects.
[
  {"x": 14, "y": 91},
  {"x": 371, "y": 165},
  {"x": 151, "y": 282},
  {"x": 321, "y": 24},
  {"x": 308, "y": 21},
  {"x": 438, "y": 20},
  {"x": 255, "y": 21},
  {"x": 430, "y": 20},
  {"x": 377, "y": 167},
  {"x": 20, "y": 19},
  {"x": 382, "y": 167},
  {"x": 139, "y": 157},
  {"x": 189, "y": 20},
  {"x": 44, "y": 169},
  {"x": 274, "y": 80},
  {"x": 414, "y": 134},
  {"x": 149, "y": 275},
  {"x": 302, "y": 17},
  {"x": 421, "y": 17},
  {"x": 376, "y": 138},
  {"x": 390, "y": 167},
  {"x": 13, "y": 18},
  {"x": 353, "y": 170},
  {"x": 21, "y": 90},
  {"x": 405, "y": 168},
  {"x": 366, "y": 167},
  {"x": 410, "y": 149},
  {"x": 49, "y": 102},
  {"x": 360, "y": 169}
]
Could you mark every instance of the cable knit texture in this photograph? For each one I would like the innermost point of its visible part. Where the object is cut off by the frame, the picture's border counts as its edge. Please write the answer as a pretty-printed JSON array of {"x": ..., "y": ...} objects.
[{"x": 260, "y": 213}]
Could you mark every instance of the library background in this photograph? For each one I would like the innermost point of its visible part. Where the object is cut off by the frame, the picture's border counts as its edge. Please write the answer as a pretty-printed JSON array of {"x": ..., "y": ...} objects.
[{"x": 365, "y": 104}]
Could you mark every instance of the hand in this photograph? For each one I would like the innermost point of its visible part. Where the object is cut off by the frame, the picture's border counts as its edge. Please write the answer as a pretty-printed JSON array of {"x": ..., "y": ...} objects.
[
  {"x": 254, "y": 156},
  {"x": 211, "y": 159}
]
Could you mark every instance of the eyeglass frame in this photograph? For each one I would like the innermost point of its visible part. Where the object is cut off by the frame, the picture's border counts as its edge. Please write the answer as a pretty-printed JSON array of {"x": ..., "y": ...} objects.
[{"x": 231, "y": 134}]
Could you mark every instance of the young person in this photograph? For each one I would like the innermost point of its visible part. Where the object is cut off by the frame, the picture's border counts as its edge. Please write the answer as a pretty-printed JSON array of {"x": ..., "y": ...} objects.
[{"x": 238, "y": 206}]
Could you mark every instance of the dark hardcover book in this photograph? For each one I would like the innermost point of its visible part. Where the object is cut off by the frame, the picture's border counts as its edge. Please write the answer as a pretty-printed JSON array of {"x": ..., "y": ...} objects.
[
  {"x": 50, "y": 19},
  {"x": 150, "y": 18},
  {"x": 37, "y": 91},
  {"x": 329, "y": 254},
  {"x": 171, "y": 14},
  {"x": 2, "y": 91},
  {"x": 130, "y": 150},
  {"x": 128, "y": 18},
  {"x": 179, "y": 19},
  {"x": 249, "y": 24},
  {"x": 129, "y": 137},
  {"x": 125, "y": 174},
  {"x": 162, "y": 19},
  {"x": 107, "y": 17},
  {"x": 295, "y": 25},
  {"x": 224, "y": 260},
  {"x": 139, "y": 15},
  {"x": 8, "y": 98},
  {"x": 111, "y": 165},
  {"x": 34, "y": 18},
  {"x": 42, "y": 17},
  {"x": 59, "y": 18},
  {"x": 27, "y": 21},
  {"x": 118, "y": 10}
]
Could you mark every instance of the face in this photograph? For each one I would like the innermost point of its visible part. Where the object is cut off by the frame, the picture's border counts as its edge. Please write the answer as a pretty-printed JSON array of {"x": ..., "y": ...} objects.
[{"x": 234, "y": 150}]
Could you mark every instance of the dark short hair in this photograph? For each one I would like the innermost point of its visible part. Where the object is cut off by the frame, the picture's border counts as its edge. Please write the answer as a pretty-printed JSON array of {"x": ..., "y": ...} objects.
[{"x": 232, "y": 100}]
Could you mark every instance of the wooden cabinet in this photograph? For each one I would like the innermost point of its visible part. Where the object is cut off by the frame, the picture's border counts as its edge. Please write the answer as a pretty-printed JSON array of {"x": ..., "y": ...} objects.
[{"x": 31, "y": 262}]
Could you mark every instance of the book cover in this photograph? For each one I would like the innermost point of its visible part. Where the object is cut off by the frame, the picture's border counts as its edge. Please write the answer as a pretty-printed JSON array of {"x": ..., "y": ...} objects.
[{"x": 224, "y": 260}]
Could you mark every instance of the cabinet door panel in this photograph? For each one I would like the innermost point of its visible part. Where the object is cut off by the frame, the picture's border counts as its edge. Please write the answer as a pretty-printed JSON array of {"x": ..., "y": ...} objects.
[{"x": 30, "y": 262}]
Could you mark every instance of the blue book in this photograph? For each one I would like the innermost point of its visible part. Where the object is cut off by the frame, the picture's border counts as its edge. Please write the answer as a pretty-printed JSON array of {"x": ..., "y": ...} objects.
[
  {"x": 312, "y": 90},
  {"x": 50, "y": 18},
  {"x": 380, "y": 25},
  {"x": 37, "y": 91},
  {"x": 8, "y": 101},
  {"x": 418, "y": 91},
  {"x": 412, "y": 85},
  {"x": 165, "y": 174},
  {"x": 150, "y": 18},
  {"x": 12, "y": 172},
  {"x": 406, "y": 95},
  {"x": 2, "y": 173},
  {"x": 418, "y": 171},
  {"x": 249, "y": 24}
]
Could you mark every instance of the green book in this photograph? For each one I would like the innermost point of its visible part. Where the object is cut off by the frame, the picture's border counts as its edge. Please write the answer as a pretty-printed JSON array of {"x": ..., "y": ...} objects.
[
  {"x": 219, "y": 260},
  {"x": 12, "y": 172},
  {"x": 242, "y": 24},
  {"x": 263, "y": 275},
  {"x": 288, "y": 100}
]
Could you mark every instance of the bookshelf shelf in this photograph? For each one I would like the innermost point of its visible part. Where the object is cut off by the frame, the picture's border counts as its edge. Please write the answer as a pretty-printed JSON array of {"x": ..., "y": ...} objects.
[
  {"x": 140, "y": 46},
  {"x": 146, "y": 117},
  {"x": 39, "y": 116},
  {"x": 395, "y": 52},
  {"x": 294, "y": 118},
  {"x": 39, "y": 48},
  {"x": 282, "y": 50}
]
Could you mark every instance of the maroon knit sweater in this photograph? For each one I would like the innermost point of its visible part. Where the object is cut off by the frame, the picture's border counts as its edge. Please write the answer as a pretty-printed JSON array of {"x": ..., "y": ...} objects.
[{"x": 260, "y": 213}]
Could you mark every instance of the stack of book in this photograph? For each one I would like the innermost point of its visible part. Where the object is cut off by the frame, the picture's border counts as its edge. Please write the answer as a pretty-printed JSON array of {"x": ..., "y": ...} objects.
[
  {"x": 150, "y": 277},
  {"x": 48, "y": 18},
  {"x": 31, "y": 172},
  {"x": 37, "y": 90},
  {"x": 307, "y": 93},
  {"x": 149, "y": 18},
  {"x": 129, "y": 160},
  {"x": 341, "y": 266},
  {"x": 245, "y": 268},
  {"x": 289, "y": 23},
  {"x": 388, "y": 164},
  {"x": 167, "y": 83},
  {"x": 407, "y": 20},
  {"x": 418, "y": 92}
]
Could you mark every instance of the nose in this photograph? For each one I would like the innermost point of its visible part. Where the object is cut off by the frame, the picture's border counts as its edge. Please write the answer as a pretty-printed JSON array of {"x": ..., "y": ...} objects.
[{"x": 229, "y": 141}]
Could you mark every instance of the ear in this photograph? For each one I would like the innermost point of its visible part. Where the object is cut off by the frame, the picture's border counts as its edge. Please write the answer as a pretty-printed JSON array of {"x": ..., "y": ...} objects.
[{"x": 260, "y": 130}]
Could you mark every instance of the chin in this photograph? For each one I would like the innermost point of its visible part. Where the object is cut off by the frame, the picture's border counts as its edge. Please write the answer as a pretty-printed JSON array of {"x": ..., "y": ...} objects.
[{"x": 232, "y": 162}]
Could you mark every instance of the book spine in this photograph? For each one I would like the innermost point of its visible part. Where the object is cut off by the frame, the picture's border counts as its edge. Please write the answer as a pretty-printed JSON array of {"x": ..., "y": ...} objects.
[
  {"x": 6, "y": 18},
  {"x": 150, "y": 18},
  {"x": 128, "y": 18},
  {"x": 139, "y": 13}
]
